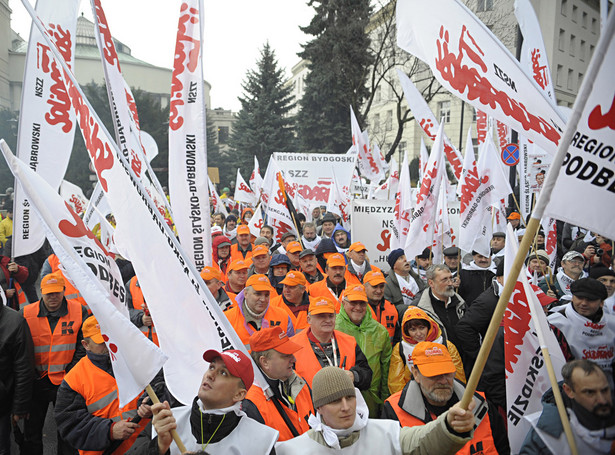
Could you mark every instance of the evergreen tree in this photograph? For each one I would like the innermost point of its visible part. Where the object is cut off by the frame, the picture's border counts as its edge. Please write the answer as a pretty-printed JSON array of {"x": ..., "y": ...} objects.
[
  {"x": 339, "y": 61},
  {"x": 263, "y": 125}
]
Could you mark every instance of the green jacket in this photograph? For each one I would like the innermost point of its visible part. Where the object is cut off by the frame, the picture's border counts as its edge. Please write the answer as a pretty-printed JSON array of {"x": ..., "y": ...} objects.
[{"x": 373, "y": 339}]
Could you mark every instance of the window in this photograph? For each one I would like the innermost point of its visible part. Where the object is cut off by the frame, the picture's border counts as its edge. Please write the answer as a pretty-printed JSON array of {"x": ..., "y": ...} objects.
[
  {"x": 564, "y": 7},
  {"x": 573, "y": 44},
  {"x": 223, "y": 134},
  {"x": 484, "y": 5},
  {"x": 591, "y": 50},
  {"x": 378, "y": 94},
  {"x": 575, "y": 13},
  {"x": 376, "y": 126},
  {"x": 562, "y": 39},
  {"x": 559, "y": 76},
  {"x": 402, "y": 146},
  {"x": 580, "y": 81},
  {"x": 594, "y": 25},
  {"x": 584, "y": 22},
  {"x": 389, "y": 121},
  {"x": 582, "y": 50},
  {"x": 444, "y": 111},
  {"x": 570, "y": 75}
]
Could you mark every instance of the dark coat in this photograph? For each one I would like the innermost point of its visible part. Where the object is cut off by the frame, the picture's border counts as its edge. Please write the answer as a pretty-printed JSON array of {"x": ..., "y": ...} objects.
[{"x": 473, "y": 284}]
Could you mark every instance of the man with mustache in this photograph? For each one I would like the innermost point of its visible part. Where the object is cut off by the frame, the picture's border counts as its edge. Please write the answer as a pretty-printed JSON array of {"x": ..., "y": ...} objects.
[
  {"x": 589, "y": 403},
  {"x": 334, "y": 283},
  {"x": 475, "y": 277},
  {"x": 434, "y": 391}
]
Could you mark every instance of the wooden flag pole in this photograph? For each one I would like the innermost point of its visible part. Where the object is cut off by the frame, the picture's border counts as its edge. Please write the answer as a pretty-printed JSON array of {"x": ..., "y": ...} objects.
[{"x": 155, "y": 400}]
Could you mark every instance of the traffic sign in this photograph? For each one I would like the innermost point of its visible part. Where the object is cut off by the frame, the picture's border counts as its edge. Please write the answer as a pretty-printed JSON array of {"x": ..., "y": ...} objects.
[{"x": 510, "y": 154}]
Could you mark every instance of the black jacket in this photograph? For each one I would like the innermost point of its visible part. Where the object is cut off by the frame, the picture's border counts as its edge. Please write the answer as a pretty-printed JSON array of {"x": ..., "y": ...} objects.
[
  {"x": 16, "y": 363},
  {"x": 473, "y": 283}
]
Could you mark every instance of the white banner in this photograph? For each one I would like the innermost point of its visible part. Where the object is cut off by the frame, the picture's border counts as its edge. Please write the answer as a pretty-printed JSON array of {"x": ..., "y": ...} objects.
[
  {"x": 194, "y": 320},
  {"x": 46, "y": 122},
  {"x": 135, "y": 359},
  {"x": 588, "y": 171},
  {"x": 427, "y": 120},
  {"x": 526, "y": 374},
  {"x": 188, "y": 179},
  {"x": 72, "y": 194},
  {"x": 373, "y": 222},
  {"x": 404, "y": 202},
  {"x": 313, "y": 174},
  {"x": 243, "y": 193},
  {"x": 368, "y": 166},
  {"x": 256, "y": 181},
  {"x": 470, "y": 62},
  {"x": 97, "y": 206},
  {"x": 339, "y": 201},
  {"x": 389, "y": 188}
]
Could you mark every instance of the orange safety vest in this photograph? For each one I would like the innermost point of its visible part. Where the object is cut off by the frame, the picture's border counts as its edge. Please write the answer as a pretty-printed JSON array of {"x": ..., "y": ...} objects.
[
  {"x": 70, "y": 291},
  {"x": 273, "y": 419},
  {"x": 138, "y": 301},
  {"x": 300, "y": 321},
  {"x": 99, "y": 390},
  {"x": 482, "y": 442},
  {"x": 388, "y": 317},
  {"x": 352, "y": 279},
  {"x": 307, "y": 364},
  {"x": 320, "y": 289},
  {"x": 272, "y": 317},
  {"x": 53, "y": 351},
  {"x": 236, "y": 255},
  {"x": 21, "y": 295}
]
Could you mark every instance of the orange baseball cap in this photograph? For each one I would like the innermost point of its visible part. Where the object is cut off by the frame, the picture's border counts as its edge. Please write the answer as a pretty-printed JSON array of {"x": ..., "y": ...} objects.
[
  {"x": 321, "y": 305},
  {"x": 273, "y": 338},
  {"x": 355, "y": 292},
  {"x": 336, "y": 260},
  {"x": 239, "y": 264},
  {"x": 91, "y": 329},
  {"x": 260, "y": 250},
  {"x": 54, "y": 282},
  {"x": 243, "y": 229},
  {"x": 432, "y": 359},
  {"x": 294, "y": 278},
  {"x": 293, "y": 247},
  {"x": 357, "y": 246},
  {"x": 374, "y": 277},
  {"x": 259, "y": 282},
  {"x": 514, "y": 216},
  {"x": 209, "y": 273}
]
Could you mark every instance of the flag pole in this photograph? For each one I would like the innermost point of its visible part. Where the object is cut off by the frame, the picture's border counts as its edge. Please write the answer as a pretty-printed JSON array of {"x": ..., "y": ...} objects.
[
  {"x": 543, "y": 199},
  {"x": 155, "y": 400}
]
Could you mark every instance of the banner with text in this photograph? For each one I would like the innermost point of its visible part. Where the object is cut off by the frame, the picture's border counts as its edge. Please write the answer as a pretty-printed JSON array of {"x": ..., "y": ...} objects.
[{"x": 373, "y": 224}]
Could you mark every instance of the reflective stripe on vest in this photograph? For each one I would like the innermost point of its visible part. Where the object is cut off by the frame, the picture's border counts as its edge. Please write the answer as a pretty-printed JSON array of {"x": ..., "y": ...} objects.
[
  {"x": 99, "y": 390},
  {"x": 21, "y": 296},
  {"x": 307, "y": 364},
  {"x": 53, "y": 351}
]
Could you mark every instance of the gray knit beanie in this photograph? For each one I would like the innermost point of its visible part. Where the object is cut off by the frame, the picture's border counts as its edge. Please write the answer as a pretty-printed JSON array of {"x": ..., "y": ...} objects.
[{"x": 331, "y": 384}]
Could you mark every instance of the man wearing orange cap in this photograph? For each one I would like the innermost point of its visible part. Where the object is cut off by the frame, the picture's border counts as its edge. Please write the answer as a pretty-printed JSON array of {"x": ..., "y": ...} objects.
[
  {"x": 514, "y": 219},
  {"x": 292, "y": 252},
  {"x": 294, "y": 298},
  {"x": 55, "y": 326},
  {"x": 290, "y": 406},
  {"x": 215, "y": 283},
  {"x": 334, "y": 283},
  {"x": 253, "y": 311},
  {"x": 358, "y": 265},
  {"x": 434, "y": 391},
  {"x": 382, "y": 310},
  {"x": 237, "y": 276},
  {"x": 243, "y": 248},
  {"x": 323, "y": 345},
  {"x": 88, "y": 412},
  {"x": 373, "y": 339},
  {"x": 260, "y": 261}
]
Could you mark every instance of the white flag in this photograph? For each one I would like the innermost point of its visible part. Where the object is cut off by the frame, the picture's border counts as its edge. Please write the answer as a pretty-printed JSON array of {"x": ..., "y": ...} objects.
[
  {"x": 194, "y": 320},
  {"x": 339, "y": 201},
  {"x": 403, "y": 205},
  {"x": 46, "y": 122},
  {"x": 256, "y": 181},
  {"x": 526, "y": 374},
  {"x": 256, "y": 222},
  {"x": 367, "y": 164},
  {"x": 135, "y": 359},
  {"x": 443, "y": 235},
  {"x": 470, "y": 62},
  {"x": 97, "y": 208},
  {"x": 427, "y": 120},
  {"x": 216, "y": 202},
  {"x": 549, "y": 227},
  {"x": 243, "y": 193},
  {"x": 423, "y": 159},
  {"x": 188, "y": 179},
  {"x": 72, "y": 194},
  {"x": 423, "y": 219},
  {"x": 471, "y": 207}
]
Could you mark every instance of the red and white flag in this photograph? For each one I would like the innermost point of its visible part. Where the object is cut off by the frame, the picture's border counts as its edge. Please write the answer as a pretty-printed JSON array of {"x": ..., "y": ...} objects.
[
  {"x": 471, "y": 63},
  {"x": 256, "y": 181},
  {"x": 482, "y": 126},
  {"x": 256, "y": 222},
  {"x": 135, "y": 359},
  {"x": 216, "y": 202},
  {"x": 72, "y": 194},
  {"x": 389, "y": 188},
  {"x": 549, "y": 228},
  {"x": 194, "y": 320},
  {"x": 422, "y": 223},
  {"x": 588, "y": 170},
  {"x": 368, "y": 166},
  {"x": 188, "y": 179},
  {"x": 526, "y": 374},
  {"x": 46, "y": 122},
  {"x": 443, "y": 235},
  {"x": 404, "y": 202},
  {"x": 243, "y": 193},
  {"x": 339, "y": 201},
  {"x": 423, "y": 159},
  {"x": 277, "y": 208},
  {"x": 427, "y": 120}
]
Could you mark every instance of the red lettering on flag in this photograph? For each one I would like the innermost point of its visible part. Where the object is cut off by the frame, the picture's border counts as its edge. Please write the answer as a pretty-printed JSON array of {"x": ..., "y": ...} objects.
[{"x": 597, "y": 120}]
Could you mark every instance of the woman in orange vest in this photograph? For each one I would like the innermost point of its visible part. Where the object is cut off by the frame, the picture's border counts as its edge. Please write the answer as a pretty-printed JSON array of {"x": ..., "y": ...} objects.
[{"x": 87, "y": 412}]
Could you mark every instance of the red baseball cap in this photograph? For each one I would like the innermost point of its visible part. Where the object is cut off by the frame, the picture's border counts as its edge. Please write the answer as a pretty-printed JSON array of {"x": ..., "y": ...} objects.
[
  {"x": 273, "y": 338},
  {"x": 237, "y": 363}
]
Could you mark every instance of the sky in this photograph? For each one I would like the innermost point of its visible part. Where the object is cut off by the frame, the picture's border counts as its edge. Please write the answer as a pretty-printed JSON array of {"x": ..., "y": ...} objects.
[{"x": 235, "y": 32}]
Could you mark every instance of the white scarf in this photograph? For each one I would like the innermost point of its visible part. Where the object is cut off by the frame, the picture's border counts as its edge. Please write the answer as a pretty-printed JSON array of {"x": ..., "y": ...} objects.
[
  {"x": 407, "y": 348},
  {"x": 230, "y": 234},
  {"x": 409, "y": 289},
  {"x": 565, "y": 282},
  {"x": 311, "y": 244},
  {"x": 472, "y": 266},
  {"x": 360, "y": 269},
  {"x": 331, "y": 435},
  {"x": 236, "y": 408},
  {"x": 600, "y": 441}
]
